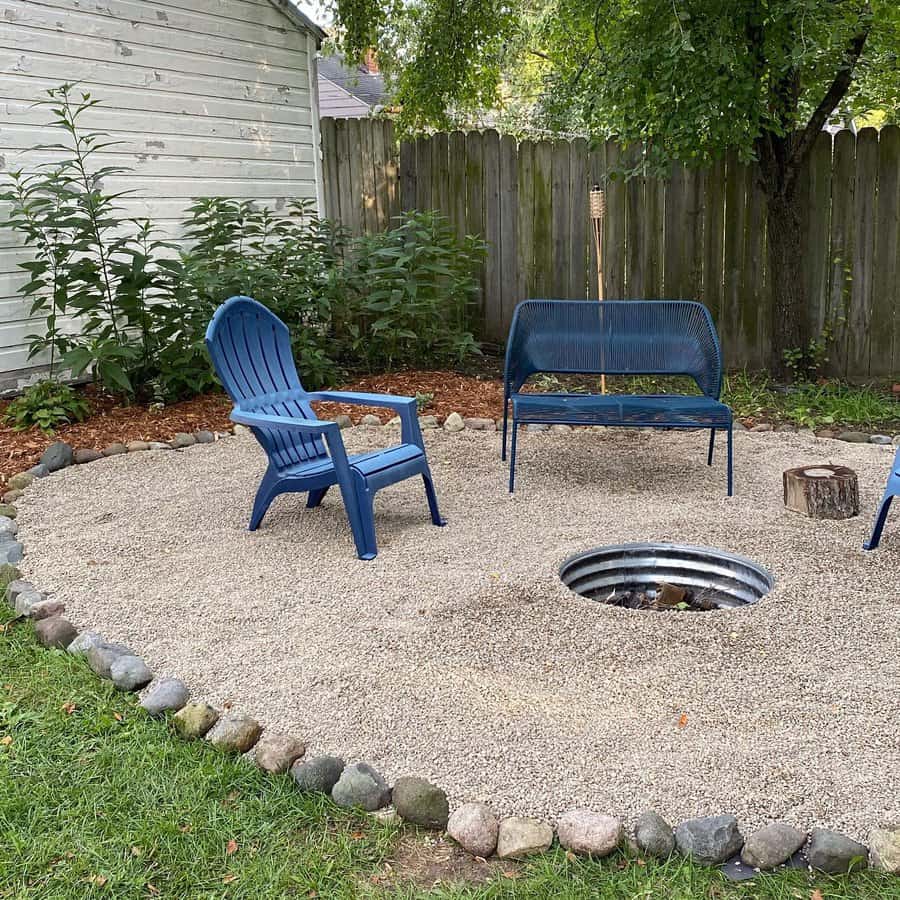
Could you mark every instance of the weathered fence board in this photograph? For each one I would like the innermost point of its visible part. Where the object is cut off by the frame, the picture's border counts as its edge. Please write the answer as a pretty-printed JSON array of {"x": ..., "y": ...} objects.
[{"x": 697, "y": 233}]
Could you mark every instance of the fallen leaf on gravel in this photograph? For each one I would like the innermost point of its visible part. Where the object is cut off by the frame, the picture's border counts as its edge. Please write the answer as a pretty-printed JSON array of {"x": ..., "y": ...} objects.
[{"x": 682, "y": 721}]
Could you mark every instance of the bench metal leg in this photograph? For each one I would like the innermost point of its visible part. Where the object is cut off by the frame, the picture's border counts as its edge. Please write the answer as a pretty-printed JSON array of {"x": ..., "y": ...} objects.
[
  {"x": 505, "y": 422},
  {"x": 730, "y": 460},
  {"x": 512, "y": 455},
  {"x": 712, "y": 444}
]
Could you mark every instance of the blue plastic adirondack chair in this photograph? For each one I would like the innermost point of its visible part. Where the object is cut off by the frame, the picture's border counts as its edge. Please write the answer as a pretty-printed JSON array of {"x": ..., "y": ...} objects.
[
  {"x": 891, "y": 490},
  {"x": 251, "y": 351}
]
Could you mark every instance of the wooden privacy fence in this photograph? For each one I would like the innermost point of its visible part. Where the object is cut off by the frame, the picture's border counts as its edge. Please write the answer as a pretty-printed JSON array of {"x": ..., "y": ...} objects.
[{"x": 699, "y": 233}]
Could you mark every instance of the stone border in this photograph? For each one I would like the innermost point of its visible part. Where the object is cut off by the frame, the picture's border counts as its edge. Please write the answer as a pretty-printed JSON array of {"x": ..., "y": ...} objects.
[{"x": 708, "y": 840}]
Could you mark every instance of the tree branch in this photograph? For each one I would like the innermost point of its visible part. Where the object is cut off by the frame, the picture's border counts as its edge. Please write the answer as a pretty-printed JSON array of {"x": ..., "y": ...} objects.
[{"x": 833, "y": 96}]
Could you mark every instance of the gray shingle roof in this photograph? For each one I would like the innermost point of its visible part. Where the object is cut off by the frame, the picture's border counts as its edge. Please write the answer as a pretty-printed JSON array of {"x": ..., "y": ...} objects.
[{"x": 355, "y": 79}]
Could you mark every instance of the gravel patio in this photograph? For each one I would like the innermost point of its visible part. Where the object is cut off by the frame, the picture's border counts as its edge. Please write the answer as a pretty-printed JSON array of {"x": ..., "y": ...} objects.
[{"x": 458, "y": 655}]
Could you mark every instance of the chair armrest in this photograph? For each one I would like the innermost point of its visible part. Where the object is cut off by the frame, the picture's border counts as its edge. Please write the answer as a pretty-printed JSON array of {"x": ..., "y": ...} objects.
[
  {"x": 283, "y": 423},
  {"x": 361, "y": 399},
  {"x": 405, "y": 407}
]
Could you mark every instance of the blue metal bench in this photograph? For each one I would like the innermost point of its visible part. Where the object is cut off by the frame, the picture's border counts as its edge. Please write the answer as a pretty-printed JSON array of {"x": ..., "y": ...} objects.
[
  {"x": 891, "y": 490},
  {"x": 251, "y": 352},
  {"x": 615, "y": 337}
]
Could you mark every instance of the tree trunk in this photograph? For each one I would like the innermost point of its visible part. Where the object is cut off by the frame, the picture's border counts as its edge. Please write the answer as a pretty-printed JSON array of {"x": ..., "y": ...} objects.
[{"x": 786, "y": 279}]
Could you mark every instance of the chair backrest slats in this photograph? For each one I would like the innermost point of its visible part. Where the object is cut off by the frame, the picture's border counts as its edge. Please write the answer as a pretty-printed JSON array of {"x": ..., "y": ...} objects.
[
  {"x": 251, "y": 351},
  {"x": 614, "y": 337}
]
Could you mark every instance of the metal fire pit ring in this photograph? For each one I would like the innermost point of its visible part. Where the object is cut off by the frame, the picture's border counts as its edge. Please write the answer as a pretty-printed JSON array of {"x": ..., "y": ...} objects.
[{"x": 730, "y": 581}]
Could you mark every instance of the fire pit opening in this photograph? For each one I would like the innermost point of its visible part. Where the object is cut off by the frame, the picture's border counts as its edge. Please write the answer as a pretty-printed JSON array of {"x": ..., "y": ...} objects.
[{"x": 665, "y": 577}]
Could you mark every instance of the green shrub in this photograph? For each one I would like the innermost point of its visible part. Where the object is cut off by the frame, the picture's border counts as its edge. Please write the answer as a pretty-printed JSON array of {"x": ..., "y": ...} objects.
[
  {"x": 46, "y": 404},
  {"x": 142, "y": 306}
]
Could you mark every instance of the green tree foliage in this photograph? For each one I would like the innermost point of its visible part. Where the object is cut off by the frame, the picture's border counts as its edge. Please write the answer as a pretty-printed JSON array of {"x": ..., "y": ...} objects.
[{"x": 688, "y": 79}]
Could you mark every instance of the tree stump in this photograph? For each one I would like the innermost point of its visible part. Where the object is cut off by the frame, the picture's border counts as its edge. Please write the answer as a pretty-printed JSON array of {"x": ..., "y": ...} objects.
[{"x": 822, "y": 492}]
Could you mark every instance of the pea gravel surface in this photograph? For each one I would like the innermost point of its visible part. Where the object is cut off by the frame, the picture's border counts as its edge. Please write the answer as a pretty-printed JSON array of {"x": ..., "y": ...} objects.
[{"x": 458, "y": 655}]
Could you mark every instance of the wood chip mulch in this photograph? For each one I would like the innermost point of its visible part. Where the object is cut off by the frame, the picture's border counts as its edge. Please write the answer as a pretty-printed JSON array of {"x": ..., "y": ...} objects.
[{"x": 112, "y": 422}]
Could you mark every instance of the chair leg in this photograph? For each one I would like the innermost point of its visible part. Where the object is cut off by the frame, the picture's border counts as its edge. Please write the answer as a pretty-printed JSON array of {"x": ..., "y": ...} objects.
[
  {"x": 880, "y": 518},
  {"x": 512, "y": 455},
  {"x": 316, "y": 497},
  {"x": 364, "y": 534},
  {"x": 730, "y": 460},
  {"x": 505, "y": 423},
  {"x": 265, "y": 494},
  {"x": 432, "y": 499},
  {"x": 712, "y": 444}
]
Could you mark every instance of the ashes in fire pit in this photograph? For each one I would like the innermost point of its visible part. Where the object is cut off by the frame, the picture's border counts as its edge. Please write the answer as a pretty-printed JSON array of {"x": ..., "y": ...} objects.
[{"x": 666, "y": 577}]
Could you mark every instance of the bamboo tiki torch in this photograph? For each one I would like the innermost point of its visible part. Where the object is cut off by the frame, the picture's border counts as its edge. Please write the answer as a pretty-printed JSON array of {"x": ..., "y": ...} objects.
[{"x": 598, "y": 213}]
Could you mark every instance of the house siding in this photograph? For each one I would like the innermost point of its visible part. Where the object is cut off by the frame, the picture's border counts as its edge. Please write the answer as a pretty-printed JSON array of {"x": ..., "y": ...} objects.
[{"x": 207, "y": 97}]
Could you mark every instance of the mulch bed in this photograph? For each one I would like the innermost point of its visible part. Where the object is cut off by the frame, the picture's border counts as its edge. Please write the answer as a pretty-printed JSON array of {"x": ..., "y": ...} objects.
[{"x": 113, "y": 422}]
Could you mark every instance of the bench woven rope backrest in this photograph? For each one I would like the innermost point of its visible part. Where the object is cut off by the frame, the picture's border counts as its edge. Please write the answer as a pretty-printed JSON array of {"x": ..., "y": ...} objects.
[
  {"x": 614, "y": 337},
  {"x": 251, "y": 351}
]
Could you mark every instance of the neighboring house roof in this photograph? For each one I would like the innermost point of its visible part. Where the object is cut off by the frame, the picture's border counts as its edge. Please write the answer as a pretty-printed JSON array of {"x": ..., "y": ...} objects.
[
  {"x": 299, "y": 18},
  {"x": 345, "y": 90}
]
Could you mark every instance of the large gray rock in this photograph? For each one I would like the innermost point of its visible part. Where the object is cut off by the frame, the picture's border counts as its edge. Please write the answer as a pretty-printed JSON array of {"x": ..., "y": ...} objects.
[
  {"x": 46, "y": 609},
  {"x": 343, "y": 421},
  {"x": 427, "y": 423},
  {"x": 276, "y": 753},
  {"x": 57, "y": 456},
  {"x": 854, "y": 437},
  {"x": 86, "y": 455},
  {"x": 39, "y": 471},
  {"x": 55, "y": 632},
  {"x": 883, "y": 439},
  {"x": 589, "y": 833},
  {"x": 8, "y": 527},
  {"x": 15, "y": 587},
  {"x": 114, "y": 449},
  {"x": 129, "y": 673},
  {"x": 7, "y": 511},
  {"x": 137, "y": 446},
  {"x": 27, "y": 600},
  {"x": 835, "y": 853},
  {"x": 193, "y": 720},
  {"x": 370, "y": 419},
  {"x": 166, "y": 695},
  {"x": 318, "y": 775},
  {"x": 11, "y": 496},
  {"x": 419, "y": 801},
  {"x": 710, "y": 839},
  {"x": 100, "y": 657},
  {"x": 653, "y": 835},
  {"x": 20, "y": 481},
  {"x": 160, "y": 445},
  {"x": 183, "y": 439},
  {"x": 454, "y": 422},
  {"x": 475, "y": 424},
  {"x": 475, "y": 828},
  {"x": 204, "y": 437},
  {"x": 84, "y": 642},
  {"x": 234, "y": 733},
  {"x": 772, "y": 845},
  {"x": 884, "y": 849},
  {"x": 518, "y": 837},
  {"x": 11, "y": 552},
  {"x": 361, "y": 785}
]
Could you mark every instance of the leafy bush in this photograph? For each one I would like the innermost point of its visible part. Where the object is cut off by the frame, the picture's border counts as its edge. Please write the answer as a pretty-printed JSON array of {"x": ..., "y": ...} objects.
[
  {"x": 415, "y": 288},
  {"x": 141, "y": 306},
  {"x": 47, "y": 404}
]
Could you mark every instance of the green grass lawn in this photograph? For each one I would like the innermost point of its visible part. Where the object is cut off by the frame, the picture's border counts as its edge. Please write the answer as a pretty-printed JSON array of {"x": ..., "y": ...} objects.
[{"x": 98, "y": 800}]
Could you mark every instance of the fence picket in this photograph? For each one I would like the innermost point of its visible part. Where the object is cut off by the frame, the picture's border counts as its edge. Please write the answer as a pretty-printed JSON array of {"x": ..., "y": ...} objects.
[{"x": 698, "y": 233}]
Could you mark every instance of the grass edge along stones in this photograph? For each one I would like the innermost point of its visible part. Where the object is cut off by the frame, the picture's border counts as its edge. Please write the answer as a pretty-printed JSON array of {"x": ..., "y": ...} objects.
[{"x": 712, "y": 840}]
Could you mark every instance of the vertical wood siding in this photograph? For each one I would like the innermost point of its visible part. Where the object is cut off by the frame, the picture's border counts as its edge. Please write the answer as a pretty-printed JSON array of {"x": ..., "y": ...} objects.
[{"x": 208, "y": 97}]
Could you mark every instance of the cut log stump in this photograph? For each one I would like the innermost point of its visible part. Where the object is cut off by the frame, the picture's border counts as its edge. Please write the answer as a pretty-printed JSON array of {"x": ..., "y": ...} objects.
[{"x": 822, "y": 492}]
